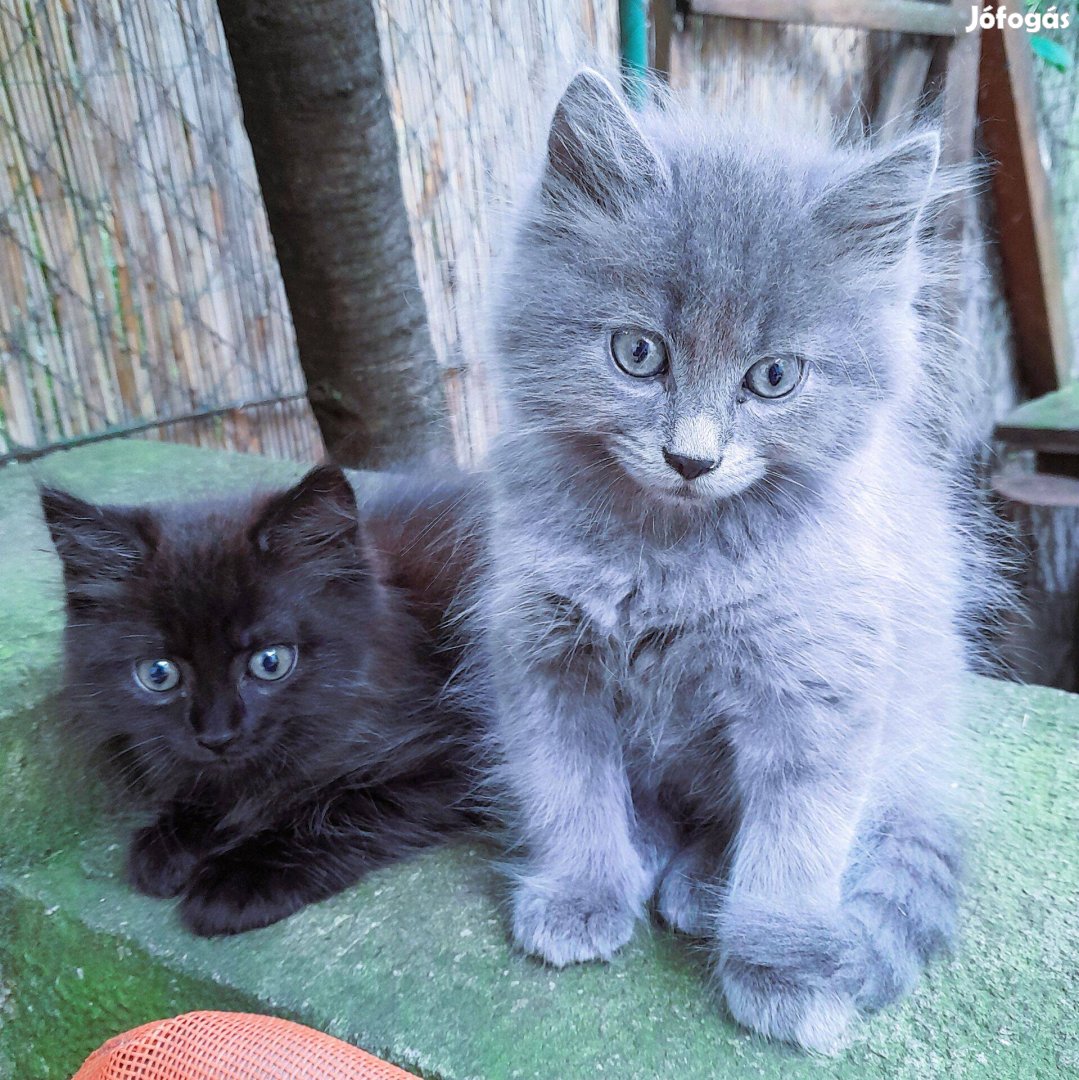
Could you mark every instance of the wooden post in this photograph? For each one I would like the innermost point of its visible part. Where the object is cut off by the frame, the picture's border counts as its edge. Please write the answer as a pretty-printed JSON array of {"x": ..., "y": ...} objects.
[{"x": 1028, "y": 245}]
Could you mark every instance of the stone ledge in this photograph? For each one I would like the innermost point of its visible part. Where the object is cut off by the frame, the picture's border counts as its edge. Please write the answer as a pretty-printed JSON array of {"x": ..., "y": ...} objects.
[{"x": 413, "y": 963}]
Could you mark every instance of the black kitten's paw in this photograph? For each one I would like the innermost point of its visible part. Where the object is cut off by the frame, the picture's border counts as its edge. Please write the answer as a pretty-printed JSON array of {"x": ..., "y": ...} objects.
[
  {"x": 787, "y": 976},
  {"x": 237, "y": 891},
  {"x": 156, "y": 864}
]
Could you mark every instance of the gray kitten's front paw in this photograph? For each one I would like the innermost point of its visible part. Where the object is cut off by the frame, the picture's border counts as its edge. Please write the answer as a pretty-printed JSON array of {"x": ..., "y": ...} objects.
[
  {"x": 570, "y": 927},
  {"x": 685, "y": 900},
  {"x": 788, "y": 978},
  {"x": 760, "y": 999}
]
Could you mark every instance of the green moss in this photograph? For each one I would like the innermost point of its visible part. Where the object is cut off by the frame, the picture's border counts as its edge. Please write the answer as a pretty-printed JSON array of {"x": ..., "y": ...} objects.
[
  {"x": 63, "y": 986},
  {"x": 1055, "y": 412}
]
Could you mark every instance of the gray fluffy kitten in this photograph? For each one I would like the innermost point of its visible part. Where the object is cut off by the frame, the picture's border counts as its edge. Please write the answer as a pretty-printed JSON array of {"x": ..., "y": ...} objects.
[{"x": 725, "y": 567}]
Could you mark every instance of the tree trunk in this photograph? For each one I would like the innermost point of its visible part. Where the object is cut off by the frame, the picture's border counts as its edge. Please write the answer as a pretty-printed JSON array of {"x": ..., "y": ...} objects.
[{"x": 310, "y": 80}]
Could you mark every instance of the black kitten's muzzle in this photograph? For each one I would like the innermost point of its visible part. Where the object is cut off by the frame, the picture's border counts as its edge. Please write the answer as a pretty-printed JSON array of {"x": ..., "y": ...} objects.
[
  {"x": 217, "y": 741},
  {"x": 218, "y": 729}
]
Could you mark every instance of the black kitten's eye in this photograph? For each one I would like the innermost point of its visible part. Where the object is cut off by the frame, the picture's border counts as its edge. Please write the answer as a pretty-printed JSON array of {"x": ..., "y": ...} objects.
[
  {"x": 774, "y": 377},
  {"x": 272, "y": 663},
  {"x": 639, "y": 353},
  {"x": 157, "y": 675}
]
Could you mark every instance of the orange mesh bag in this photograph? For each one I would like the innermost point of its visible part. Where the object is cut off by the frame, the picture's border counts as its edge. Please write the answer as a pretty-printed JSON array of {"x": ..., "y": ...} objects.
[{"x": 232, "y": 1046}]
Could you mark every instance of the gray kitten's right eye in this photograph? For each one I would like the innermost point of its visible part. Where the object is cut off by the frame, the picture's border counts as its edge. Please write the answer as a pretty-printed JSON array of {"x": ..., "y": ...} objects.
[
  {"x": 639, "y": 353},
  {"x": 157, "y": 675}
]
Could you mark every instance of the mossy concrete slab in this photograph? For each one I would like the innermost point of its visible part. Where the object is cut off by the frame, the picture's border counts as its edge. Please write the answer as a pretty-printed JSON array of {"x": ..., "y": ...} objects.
[{"x": 413, "y": 963}]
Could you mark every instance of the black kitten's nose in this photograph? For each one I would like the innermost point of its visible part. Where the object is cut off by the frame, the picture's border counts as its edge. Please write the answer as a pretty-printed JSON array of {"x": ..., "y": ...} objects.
[
  {"x": 689, "y": 468},
  {"x": 215, "y": 740}
]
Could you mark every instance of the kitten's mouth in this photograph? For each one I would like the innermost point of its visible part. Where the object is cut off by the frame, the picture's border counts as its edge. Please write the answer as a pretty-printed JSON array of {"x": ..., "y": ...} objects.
[
  {"x": 712, "y": 487},
  {"x": 695, "y": 494},
  {"x": 220, "y": 760}
]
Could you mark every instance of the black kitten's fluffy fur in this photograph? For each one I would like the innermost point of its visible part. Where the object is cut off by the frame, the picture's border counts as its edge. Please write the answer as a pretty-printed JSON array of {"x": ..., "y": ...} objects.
[{"x": 269, "y": 793}]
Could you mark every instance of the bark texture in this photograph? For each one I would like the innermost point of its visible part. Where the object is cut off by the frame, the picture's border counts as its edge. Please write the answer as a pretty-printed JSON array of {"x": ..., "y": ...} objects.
[{"x": 310, "y": 80}]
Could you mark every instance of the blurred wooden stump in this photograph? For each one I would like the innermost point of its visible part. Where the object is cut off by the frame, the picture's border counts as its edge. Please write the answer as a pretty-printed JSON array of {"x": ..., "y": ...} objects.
[{"x": 1044, "y": 505}]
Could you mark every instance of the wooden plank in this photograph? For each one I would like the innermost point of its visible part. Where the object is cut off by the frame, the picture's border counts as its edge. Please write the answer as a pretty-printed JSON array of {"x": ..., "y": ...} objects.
[
  {"x": 1028, "y": 246},
  {"x": 661, "y": 16},
  {"x": 959, "y": 99},
  {"x": 903, "y": 90},
  {"x": 1049, "y": 424},
  {"x": 1041, "y": 643},
  {"x": 1037, "y": 489},
  {"x": 904, "y": 16}
]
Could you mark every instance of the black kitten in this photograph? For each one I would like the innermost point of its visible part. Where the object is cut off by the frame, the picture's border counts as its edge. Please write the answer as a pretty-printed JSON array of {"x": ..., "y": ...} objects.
[{"x": 273, "y": 676}]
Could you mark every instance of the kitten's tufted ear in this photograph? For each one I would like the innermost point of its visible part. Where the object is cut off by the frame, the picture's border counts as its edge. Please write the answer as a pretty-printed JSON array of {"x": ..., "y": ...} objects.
[
  {"x": 596, "y": 148},
  {"x": 96, "y": 543},
  {"x": 874, "y": 209},
  {"x": 316, "y": 515}
]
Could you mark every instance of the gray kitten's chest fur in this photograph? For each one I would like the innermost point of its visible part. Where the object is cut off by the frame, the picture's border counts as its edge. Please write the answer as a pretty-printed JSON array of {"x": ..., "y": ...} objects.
[
  {"x": 684, "y": 634},
  {"x": 692, "y": 631},
  {"x": 661, "y": 629}
]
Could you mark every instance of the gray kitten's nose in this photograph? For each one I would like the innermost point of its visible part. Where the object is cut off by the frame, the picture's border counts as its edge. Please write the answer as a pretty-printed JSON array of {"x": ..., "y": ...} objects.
[{"x": 689, "y": 468}]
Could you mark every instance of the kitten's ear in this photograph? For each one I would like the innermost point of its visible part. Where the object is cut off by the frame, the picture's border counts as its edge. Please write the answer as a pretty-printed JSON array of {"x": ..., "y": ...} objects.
[
  {"x": 874, "y": 209},
  {"x": 102, "y": 543},
  {"x": 316, "y": 515},
  {"x": 596, "y": 148}
]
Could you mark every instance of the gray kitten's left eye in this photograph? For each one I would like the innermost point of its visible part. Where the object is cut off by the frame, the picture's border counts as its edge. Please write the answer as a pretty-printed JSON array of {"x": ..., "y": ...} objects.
[
  {"x": 774, "y": 377},
  {"x": 272, "y": 663},
  {"x": 639, "y": 353}
]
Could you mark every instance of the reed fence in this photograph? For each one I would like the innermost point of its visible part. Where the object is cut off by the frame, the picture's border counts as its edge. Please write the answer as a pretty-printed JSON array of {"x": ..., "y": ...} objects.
[
  {"x": 139, "y": 289},
  {"x": 471, "y": 83}
]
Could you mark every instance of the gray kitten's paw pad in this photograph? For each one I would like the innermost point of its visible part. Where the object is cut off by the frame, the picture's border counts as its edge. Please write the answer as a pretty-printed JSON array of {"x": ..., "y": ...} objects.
[
  {"x": 684, "y": 900},
  {"x": 570, "y": 929}
]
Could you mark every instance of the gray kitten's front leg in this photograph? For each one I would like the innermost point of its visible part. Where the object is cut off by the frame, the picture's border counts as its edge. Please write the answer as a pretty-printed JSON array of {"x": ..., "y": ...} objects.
[
  {"x": 785, "y": 949},
  {"x": 583, "y": 884},
  {"x": 686, "y": 899}
]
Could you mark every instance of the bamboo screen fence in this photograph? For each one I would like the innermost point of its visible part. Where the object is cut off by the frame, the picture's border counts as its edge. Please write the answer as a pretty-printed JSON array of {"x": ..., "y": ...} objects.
[
  {"x": 471, "y": 85},
  {"x": 138, "y": 282}
]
